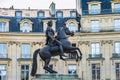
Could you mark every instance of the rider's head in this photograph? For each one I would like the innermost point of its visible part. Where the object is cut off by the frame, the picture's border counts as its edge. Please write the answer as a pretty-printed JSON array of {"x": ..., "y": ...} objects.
[{"x": 50, "y": 23}]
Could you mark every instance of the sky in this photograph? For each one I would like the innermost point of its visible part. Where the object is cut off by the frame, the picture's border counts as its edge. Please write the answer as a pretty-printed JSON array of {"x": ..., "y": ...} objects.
[{"x": 38, "y": 4}]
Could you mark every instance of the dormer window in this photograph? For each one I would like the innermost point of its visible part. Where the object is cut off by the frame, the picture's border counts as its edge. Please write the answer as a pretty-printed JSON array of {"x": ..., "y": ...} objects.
[
  {"x": 40, "y": 14},
  {"x": 94, "y": 7},
  {"x": 26, "y": 25},
  {"x": 59, "y": 14},
  {"x": 18, "y": 14},
  {"x": 117, "y": 7},
  {"x": 72, "y": 25},
  {"x": 72, "y": 14},
  {"x": 4, "y": 25}
]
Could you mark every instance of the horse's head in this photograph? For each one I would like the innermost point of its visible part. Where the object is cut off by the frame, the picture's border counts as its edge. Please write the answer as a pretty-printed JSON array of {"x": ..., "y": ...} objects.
[{"x": 67, "y": 31}]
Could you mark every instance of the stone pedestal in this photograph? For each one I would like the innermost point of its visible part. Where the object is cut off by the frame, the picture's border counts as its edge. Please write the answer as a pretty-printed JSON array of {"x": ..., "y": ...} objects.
[{"x": 56, "y": 77}]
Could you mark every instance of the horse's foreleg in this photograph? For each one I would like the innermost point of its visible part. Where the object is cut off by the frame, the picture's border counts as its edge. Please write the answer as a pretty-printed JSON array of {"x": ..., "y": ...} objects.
[
  {"x": 79, "y": 54},
  {"x": 46, "y": 66}
]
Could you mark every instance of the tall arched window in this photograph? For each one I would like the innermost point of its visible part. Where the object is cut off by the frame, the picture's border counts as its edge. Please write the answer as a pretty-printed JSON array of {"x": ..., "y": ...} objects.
[
  {"x": 26, "y": 27},
  {"x": 72, "y": 27}
]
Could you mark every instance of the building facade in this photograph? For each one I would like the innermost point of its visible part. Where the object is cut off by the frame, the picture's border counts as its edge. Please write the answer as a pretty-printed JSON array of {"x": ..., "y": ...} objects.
[
  {"x": 97, "y": 34},
  {"x": 100, "y": 39}
]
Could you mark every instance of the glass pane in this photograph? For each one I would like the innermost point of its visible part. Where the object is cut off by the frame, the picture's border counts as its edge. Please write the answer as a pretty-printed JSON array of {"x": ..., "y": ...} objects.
[
  {"x": 117, "y": 47},
  {"x": 25, "y": 50},
  {"x": 18, "y": 14},
  {"x": 117, "y": 24},
  {"x": 72, "y": 69},
  {"x": 72, "y": 27},
  {"x": 59, "y": 14},
  {"x": 95, "y": 26},
  {"x": 41, "y": 14},
  {"x": 73, "y": 14},
  {"x": 3, "y": 72},
  {"x": 3, "y": 50},
  {"x": 117, "y": 7},
  {"x": 95, "y": 71},
  {"x": 26, "y": 27},
  {"x": 94, "y": 9},
  {"x": 3, "y": 27}
]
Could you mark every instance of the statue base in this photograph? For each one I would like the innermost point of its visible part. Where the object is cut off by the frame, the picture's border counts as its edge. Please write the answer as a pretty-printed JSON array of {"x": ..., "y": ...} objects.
[{"x": 56, "y": 77}]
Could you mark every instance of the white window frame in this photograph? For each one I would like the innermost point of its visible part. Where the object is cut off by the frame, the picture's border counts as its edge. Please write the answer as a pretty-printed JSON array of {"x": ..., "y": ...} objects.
[
  {"x": 3, "y": 72},
  {"x": 41, "y": 14},
  {"x": 3, "y": 50},
  {"x": 117, "y": 24},
  {"x": 95, "y": 49},
  {"x": 73, "y": 14},
  {"x": 96, "y": 69},
  {"x": 18, "y": 14},
  {"x": 72, "y": 69},
  {"x": 72, "y": 27},
  {"x": 117, "y": 47},
  {"x": 94, "y": 9},
  {"x": 59, "y": 14},
  {"x": 3, "y": 27},
  {"x": 26, "y": 27},
  {"x": 25, "y": 50},
  {"x": 95, "y": 26},
  {"x": 25, "y": 70},
  {"x": 116, "y": 7}
]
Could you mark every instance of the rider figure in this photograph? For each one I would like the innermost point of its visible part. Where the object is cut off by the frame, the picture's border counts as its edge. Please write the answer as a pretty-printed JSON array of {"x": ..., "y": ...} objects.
[{"x": 50, "y": 39}]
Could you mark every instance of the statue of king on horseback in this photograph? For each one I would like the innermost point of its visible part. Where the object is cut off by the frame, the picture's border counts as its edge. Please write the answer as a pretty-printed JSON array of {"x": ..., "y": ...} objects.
[{"x": 55, "y": 46}]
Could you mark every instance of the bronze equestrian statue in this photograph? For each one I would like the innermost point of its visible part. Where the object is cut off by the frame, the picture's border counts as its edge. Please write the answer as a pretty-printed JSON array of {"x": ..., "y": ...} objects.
[{"x": 53, "y": 48}]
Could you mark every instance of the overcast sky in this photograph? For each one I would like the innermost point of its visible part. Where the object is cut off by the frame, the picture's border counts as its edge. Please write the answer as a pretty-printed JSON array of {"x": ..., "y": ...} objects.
[{"x": 38, "y": 4}]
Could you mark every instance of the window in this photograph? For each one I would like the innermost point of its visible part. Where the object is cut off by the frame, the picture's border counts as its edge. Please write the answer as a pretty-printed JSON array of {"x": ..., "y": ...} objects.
[
  {"x": 24, "y": 72},
  {"x": 95, "y": 48},
  {"x": 117, "y": 66},
  {"x": 59, "y": 14},
  {"x": 95, "y": 71},
  {"x": 94, "y": 9},
  {"x": 117, "y": 47},
  {"x": 26, "y": 27},
  {"x": 3, "y": 72},
  {"x": 25, "y": 50},
  {"x": 72, "y": 27},
  {"x": 40, "y": 14},
  {"x": 95, "y": 26},
  {"x": 73, "y": 14},
  {"x": 72, "y": 69},
  {"x": 3, "y": 50},
  {"x": 73, "y": 55},
  {"x": 117, "y": 7},
  {"x": 117, "y": 24},
  {"x": 51, "y": 66},
  {"x": 18, "y": 14},
  {"x": 3, "y": 27}
]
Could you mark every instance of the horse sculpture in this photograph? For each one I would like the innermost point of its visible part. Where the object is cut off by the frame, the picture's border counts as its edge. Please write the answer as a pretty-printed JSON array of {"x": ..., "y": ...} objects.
[{"x": 47, "y": 51}]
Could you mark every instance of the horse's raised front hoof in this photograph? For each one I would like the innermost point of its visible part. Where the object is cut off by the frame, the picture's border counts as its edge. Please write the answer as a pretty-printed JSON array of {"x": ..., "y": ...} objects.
[
  {"x": 62, "y": 58},
  {"x": 80, "y": 57}
]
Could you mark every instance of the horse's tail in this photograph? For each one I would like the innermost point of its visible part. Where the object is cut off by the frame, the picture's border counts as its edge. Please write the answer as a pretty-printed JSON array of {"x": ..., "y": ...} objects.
[{"x": 34, "y": 64}]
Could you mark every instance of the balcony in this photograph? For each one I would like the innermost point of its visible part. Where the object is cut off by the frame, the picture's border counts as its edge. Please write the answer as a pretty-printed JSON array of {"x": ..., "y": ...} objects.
[
  {"x": 4, "y": 57},
  {"x": 116, "y": 55},
  {"x": 102, "y": 11},
  {"x": 95, "y": 57},
  {"x": 100, "y": 29}
]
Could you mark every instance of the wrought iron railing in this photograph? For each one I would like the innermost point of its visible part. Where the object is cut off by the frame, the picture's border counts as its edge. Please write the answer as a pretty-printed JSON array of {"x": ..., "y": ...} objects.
[
  {"x": 116, "y": 55},
  {"x": 102, "y": 11},
  {"x": 3, "y": 55},
  {"x": 100, "y": 29},
  {"x": 95, "y": 56}
]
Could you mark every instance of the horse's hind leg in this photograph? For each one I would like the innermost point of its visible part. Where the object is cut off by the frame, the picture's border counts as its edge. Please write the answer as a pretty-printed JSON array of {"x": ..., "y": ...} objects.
[{"x": 46, "y": 67}]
